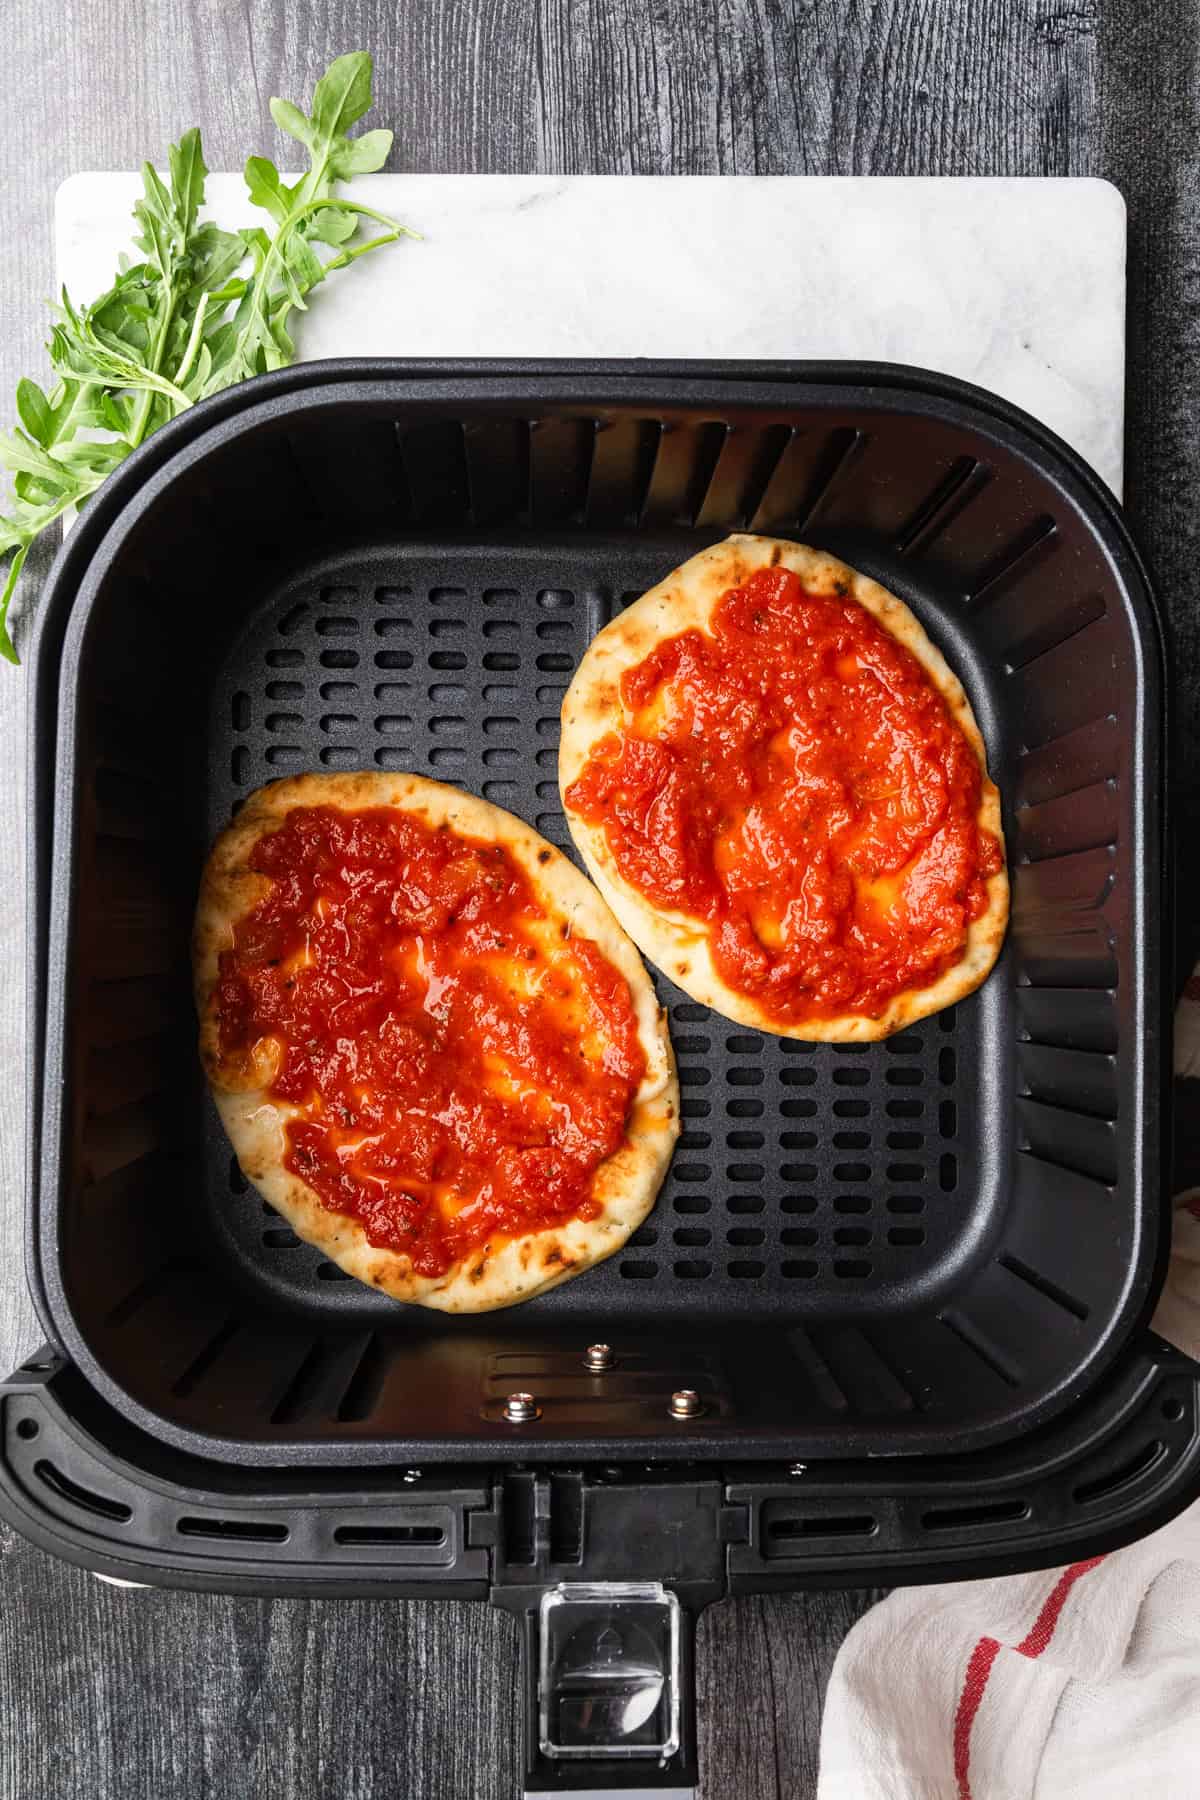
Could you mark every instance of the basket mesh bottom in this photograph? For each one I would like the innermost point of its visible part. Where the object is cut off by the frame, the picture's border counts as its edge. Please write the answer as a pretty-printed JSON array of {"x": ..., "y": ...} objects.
[{"x": 804, "y": 1173}]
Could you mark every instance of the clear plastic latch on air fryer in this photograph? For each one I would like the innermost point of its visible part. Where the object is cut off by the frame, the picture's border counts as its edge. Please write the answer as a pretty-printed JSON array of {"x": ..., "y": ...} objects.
[{"x": 609, "y": 1670}]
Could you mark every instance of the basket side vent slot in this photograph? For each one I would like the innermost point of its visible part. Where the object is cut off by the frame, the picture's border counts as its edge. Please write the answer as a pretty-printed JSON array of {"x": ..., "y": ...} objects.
[
  {"x": 1068, "y": 764},
  {"x": 1069, "y": 1140},
  {"x": 1079, "y": 1019},
  {"x": 962, "y": 1518},
  {"x": 233, "y": 1531},
  {"x": 1060, "y": 933},
  {"x": 152, "y": 1285},
  {"x": 987, "y": 1352},
  {"x": 497, "y": 461},
  {"x": 1083, "y": 818},
  {"x": 196, "y": 1370},
  {"x": 1042, "y": 1284},
  {"x": 297, "y": 1398},
  {"x": 560, "y": 463},
  {"x": 1014, "y": 561},
  {"x": 785, "y": 1531},
  {"x": 683, "y": 468},
  {"x": 366, "y": 1384},
  {"x": 1060, "y": 628},
  {"x": 86, "y": 1499},
  {"x": 965, "y": 479},
  {"x": 435, "y": 468},
  {"x": 622, "y": 469},
  {"x": 821, "y": 1376},
  {"x": 1124, "y": 1475},
  {"x": 836, "y": 457},
  {"x": 390, "y": 1535},
  {"x": 1084, "y": 1081},
  {"x": 1066, "y": 687}
]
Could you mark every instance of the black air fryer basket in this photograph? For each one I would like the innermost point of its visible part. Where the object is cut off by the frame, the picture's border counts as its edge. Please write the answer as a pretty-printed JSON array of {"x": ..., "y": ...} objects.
[{"x": 908, "y": 1281}]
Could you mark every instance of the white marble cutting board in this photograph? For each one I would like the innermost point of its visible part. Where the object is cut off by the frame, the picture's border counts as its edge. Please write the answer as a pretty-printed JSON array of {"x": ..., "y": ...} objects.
[{"x": 1017, "y": 285}]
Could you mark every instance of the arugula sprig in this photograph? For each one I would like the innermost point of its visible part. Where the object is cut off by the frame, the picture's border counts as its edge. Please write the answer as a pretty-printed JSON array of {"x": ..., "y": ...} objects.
[{"x": 200, "y": 309}]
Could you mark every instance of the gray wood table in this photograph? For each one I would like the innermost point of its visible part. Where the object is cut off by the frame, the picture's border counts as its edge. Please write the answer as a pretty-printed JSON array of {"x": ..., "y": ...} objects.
[{"x": 179, "y": 1697}]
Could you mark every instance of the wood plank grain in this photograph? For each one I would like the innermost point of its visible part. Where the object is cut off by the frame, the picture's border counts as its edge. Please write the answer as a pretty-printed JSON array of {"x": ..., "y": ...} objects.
[
  {"x": 1149, "y": 128},
  {"x": 182, "y": 1697},
  {"x": 825, "y": 87},
  {"x": 762, "y": 1666},
  {"x": 155, "y": 1695},
  {"x": 118, "y": 1695}
]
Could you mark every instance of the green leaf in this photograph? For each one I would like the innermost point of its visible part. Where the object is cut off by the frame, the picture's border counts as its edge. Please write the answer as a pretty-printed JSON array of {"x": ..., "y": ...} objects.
[
  {"x": 258, "y": 244},
  {"x": 157, "y": 200},
  {"x": 216, "y": 257},
  {"x": 361, "y": 155},
  {"x": 201, "y": 371},
  {"x": 219, "y": 341},
  {"x": 95, "y": 358},
  {"x": 333, "y": 225},
  {"x": 32, "y": 491},
  {"x": 186, "y": 160},
  {"x": 266, "y": 189},
  {"x": 7, "y": 647},
  {"x": 76, "y": 409},
  {"x": 91, "y": 456},
  {"x": 289, "y": 118},
  {"x": 279, "y": 350},
  {"x": 154, "y": 214},
  {"x": 20, "y": 454},
  {"x": 113, "y": 411},
  {"x": 34, "y": 411},
  {"x": 342, "y": 95},
  {"x": 303, "y": 268}
]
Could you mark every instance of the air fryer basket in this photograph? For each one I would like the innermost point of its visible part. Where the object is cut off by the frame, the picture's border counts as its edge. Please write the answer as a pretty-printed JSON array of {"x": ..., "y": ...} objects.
[{"x": 917, "y": 1247}]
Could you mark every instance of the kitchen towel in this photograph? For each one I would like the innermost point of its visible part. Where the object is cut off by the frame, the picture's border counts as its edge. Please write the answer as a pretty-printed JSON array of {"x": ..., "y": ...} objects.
[{"x": 1080, "y": 1683}]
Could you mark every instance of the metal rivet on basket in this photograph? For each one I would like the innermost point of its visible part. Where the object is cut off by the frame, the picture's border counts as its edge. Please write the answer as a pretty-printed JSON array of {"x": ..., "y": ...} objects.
[
  {"x": 686, "y": 1404},
  {"x": 411, "y": 1475},
  {"x": 519, "y": 1409},
  {"x": 598, "y": 1358},
  {"x": 798, "y": 1469}
]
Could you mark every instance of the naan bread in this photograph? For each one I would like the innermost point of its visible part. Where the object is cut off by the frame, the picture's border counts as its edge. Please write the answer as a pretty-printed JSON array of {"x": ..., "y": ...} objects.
[
  {"x": 497, "y": 1273},
  {"x": 593, "y": 710}
]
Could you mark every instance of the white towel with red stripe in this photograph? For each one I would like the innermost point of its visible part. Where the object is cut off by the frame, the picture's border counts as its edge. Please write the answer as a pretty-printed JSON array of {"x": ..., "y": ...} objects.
[{"x": 1075, "y": 1684}]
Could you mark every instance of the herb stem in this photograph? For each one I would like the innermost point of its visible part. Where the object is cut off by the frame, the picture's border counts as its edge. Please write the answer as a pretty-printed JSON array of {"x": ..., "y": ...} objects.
[
  {"x": 141, "y": 417},
  {"x": 193, "y": 343}
]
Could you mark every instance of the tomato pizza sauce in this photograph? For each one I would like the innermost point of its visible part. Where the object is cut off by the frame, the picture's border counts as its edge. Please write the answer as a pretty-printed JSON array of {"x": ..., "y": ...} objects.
[
  {"x": 793, "y": 779},
  {"x": 462, "y": 1069}
]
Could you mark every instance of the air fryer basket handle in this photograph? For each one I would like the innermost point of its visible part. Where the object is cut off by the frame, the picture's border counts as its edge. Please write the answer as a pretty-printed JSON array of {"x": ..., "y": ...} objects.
[{"x": 607, "y": 1675}]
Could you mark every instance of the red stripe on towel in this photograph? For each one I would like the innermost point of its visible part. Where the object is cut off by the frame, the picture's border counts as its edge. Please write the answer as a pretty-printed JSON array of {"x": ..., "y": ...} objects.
[{"x": 983, "y": 1656}]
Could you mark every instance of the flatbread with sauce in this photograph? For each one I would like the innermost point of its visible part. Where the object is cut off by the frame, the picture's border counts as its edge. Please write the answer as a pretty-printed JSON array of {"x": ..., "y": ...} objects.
[
  {"x": 434, "y": 1050},
  {"x": 779, "y": 787}
]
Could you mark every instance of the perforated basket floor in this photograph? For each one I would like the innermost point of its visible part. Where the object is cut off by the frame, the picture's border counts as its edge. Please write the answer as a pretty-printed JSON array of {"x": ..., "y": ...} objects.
[
  {"x": 925, "y": 1242},
  {"x": 805, "y": 1175}
]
